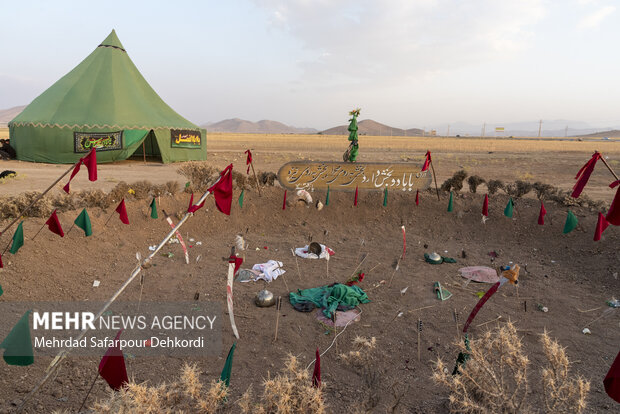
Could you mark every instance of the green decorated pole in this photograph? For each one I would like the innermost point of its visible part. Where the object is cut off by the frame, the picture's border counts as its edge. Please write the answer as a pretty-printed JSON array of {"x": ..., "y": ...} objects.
[
  {"x": 385, "y": 192},
  {"x": 327, "y": 197},
  {"x": 353, "y": 146}
]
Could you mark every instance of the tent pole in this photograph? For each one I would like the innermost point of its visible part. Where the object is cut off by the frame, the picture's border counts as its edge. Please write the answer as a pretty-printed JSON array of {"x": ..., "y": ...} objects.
[{"x": 143, "y": 152}]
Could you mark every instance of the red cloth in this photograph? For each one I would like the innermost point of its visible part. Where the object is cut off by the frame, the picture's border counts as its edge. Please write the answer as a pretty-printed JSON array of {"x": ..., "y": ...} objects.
[
  {"x": 54, "y": 224},
  {"x": 355, "y": 279},
  {"x": 355, "y": 200},
  {"x": 427, "y": 161},
  {"x": 284, "y": 201},
  {"x": 541, "y": 215},
  {"x": 601, "y": 225},
  {"x": 417, "y": 197},
  {"x": 613, "y": 215},
  {"x": 1, "y": 264},
  {"x": 194, "y": 207},
  {"x": 583, "y": 175},
  {"x": 90, "y": 161},
  {"x": 237, "y": 261},
  {"x": 222, "y": 191},
  {"x": 112, "y": 366},
  {"x": 479, "y": 305},
  {"x": 485, "y": 206},
  {"x": 316, "y": 375},
  {"x": 248, "y": 160},
  {"x": 612, "y": 380},
  {"x": 122, "y": 212}
]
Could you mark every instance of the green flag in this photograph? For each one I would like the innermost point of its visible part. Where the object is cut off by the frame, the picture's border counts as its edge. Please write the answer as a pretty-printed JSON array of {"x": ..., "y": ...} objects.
[
  {"x": 571, "y": 222},
  {"x": 83, "y": 222},
  {"x": 18, "y": 239},
  {"x": 1, "y": 291},
  {"x": 154, "y": 209},
  {"x": 509, "y": 208},
  {"x": 451, "y": 202},
  {"x": 17, "y": 344},
  {"x": 327, "y": 197},
  {"x": 385, "y": 197},
  {"x": 225, "y": 376},
  {"x": 241, "y": 198}
]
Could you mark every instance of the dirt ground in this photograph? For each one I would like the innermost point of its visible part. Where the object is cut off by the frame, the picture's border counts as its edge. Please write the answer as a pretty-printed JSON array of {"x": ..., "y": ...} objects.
[{"x": 569, "y": 274}]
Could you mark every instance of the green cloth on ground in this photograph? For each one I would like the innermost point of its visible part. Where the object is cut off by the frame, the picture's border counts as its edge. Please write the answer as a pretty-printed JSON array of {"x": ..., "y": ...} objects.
[
  {"x": 18, "y": 239},
  {"x": 443, "y": 259},
  {"x": 571, "y": 222},
  {"x": 17, "y": 344},
  {"x": 329, "y": 298},
  {"x": 83, "y": 222}
]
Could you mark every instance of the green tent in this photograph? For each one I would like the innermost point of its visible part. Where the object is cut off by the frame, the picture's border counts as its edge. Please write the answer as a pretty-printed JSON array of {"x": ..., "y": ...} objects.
[{"x": 104, "y": 102}]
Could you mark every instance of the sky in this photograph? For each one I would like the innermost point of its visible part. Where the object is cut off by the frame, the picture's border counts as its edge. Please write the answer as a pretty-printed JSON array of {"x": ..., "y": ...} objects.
[{"x": 307, "y": 63}]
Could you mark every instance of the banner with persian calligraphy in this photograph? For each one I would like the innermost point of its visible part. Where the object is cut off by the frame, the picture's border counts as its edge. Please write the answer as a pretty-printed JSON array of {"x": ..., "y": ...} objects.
[
  {"x": 181, "y": 138},
  {"x": 103, "y": 141},
  {"x": 346, "y": 176}
]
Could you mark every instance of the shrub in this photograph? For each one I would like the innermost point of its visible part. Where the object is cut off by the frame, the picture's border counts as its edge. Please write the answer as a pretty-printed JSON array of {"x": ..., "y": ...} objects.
[
  {"x": 456, "y": 182},
  {"x": 494, "y": 185},
  {"x": 474, "y": 181}
]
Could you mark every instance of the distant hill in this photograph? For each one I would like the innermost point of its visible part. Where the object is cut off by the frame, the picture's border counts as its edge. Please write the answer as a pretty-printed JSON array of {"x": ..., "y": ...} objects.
[
  {"x": 6, "y": 115},
  {"x": 242, "y": 126},
  {"x": 370, "y": 127},
  {"x": 611, "y": 134}
]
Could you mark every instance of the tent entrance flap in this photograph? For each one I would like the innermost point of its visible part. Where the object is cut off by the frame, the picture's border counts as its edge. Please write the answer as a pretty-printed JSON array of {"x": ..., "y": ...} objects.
[{"x": 148, "y": 147}]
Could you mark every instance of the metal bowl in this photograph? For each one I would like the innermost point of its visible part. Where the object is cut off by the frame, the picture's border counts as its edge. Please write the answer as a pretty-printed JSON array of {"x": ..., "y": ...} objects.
[
  {"x": 315, "y": 248},
  {"x": 435, "y": 257},
  {"x": 264, "y": 299}
]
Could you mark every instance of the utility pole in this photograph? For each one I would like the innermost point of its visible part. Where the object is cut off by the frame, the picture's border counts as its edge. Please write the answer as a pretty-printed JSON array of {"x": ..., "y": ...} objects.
[
  {"x": 484, "y": 127},
  {"x": 448, "y": 134},
  {"x": 566, "y": 131},
  {"x": 539, "y": 128}
]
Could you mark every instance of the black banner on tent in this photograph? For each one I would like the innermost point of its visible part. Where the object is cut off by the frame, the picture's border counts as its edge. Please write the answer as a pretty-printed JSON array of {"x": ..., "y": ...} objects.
[
  {"x": 103, "y": 141},
  {"x": 183, "y": 138}
]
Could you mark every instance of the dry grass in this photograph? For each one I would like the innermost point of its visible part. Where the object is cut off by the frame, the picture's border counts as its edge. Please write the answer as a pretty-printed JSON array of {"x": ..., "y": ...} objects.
[
  {"x": 186, "y": 394},
  {"x": 495, "y": 378},
  {"x": 360, "y": 359}
]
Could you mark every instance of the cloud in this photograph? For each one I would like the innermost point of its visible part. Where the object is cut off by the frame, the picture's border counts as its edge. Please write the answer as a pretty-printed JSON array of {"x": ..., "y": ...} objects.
[
  {"x": 594, "y": 19},
  {"x": 368, "y": 40}
]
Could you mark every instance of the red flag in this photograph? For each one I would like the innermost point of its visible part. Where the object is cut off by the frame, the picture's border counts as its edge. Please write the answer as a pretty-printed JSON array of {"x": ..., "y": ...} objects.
[
  {"x": 248, "y": 161},
  {"x": 237, "y": 261},
  {"x": 485, "y": 206},
  {"x": 194, "y": 207},
  {"x": 479, "y": 305},
  {"x": 90, "y": 161},
  {"x": 427, "y": 161},
  {"x": 584, "y": 173},
  {"x": 112, "y": 366},
  {"x": 122, "y": 212},
  {"x": 222, "y": 191},
  {"x": 612, "y": 380},
  {"x": 541, "y": 215},
  {"x": 54, "y": 224},
  {"x": 316, "y": 375},
  {"x": 355, "y": 199},
  {"x": 601, "y": 225},
  {"x": 417, "y": 197},
  {"x": 284, "y": 202},
  {"x": 1, "y": 264},
  {"x": 613, "y": 215}
]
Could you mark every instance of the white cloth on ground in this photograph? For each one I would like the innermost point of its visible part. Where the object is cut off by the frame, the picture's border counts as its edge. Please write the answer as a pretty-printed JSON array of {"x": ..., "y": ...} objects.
[
  {"x": 269, "y": 271},
  {"x": 325, "y": 252}
]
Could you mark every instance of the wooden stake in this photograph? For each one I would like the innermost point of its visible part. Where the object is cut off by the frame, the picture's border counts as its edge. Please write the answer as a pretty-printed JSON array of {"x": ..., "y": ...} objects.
[
  {"x": 394, "y": 272},
  {"x": 70, "y": 228},
  {"x": 278, "y": 306},
  {"x": 419, "y": 334},
  {"x": 363, "y": 260},
  {"x": 256, "y": 178},
  {"x": 39, "y": 231},
  {"x": 24, "y": 211},
  {"x": 456, "y": 321},
  {"x": 143, "y": 152},
  {"x": 89, "y": 390},
  {"x": 608, "y": 167},
  {"x": 297, "y": 263},
  {"x": 435, "y": 178},
  {"x": 357, "y": 258}
]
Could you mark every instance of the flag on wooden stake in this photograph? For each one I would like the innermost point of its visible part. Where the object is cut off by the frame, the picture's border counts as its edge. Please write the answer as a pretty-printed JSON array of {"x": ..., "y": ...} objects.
[
  {"x": 241, "y": 198},
  {"x": 327, "y": 197},
  {"x": 194, "y": 207},
  {"x": 385, "y": 192},
  {"x": 18, "y": 238},
  {"x": 508, "y": 211},
  {"x": 427, "y": 161},
  {"x": 485, "y": 206},
  {"x": 571, "y": 222},
  {"x": 355, "y": 199},
  {"x": 601, "y": 225},
  {"x": 613, "y": 215},
  {"x": 112, "y": 366},
  {"x": 154, "y": 209},
  {"x": 316, "y": 374},
  {"x": 248, "y": 161},
  {"x": 417, "y": 197},
  {"x": 54, "y": 225},
  {"x": 122, "y": 212},
  {"x": 83, "y": 222},
  {"x": 90, "y": 161},
  {"x": 284, "y": 201},
  {"x": 583, "y": 175},
  {"x": 451, "y": 202},
  {"x": 222, "y": 191},
  {"x": 17, "y": 344},
  {"x": 227, "y": 370},
  {"x": 541, "y": 215}
]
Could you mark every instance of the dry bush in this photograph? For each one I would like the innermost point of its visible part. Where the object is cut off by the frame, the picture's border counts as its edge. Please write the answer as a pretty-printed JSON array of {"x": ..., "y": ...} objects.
[
  {"x": 199, "y": 174},
  {"x": 92, "y": 198},
  {"x": 494, "y": 185},
  {"x": 267, "y": 178},
  {"x": 543, "y": 191},
  {"x": 119, "y": 191},
  {"x": 360, "y": 358},
  {"x": 289, "y": 392},
  {"x": 171, "y": 187},
  {"x": 240, "y": 180},
  {"x": 143, "y": 189},
  {"x": 455, "y": 182},
  {"x": 495, "y": 377},
  {"x": 474, "y": 181},
  {"x": 518, "y": 189},
  {"x": 12, "y": 206},
  {"x": 186, "y": 394}
]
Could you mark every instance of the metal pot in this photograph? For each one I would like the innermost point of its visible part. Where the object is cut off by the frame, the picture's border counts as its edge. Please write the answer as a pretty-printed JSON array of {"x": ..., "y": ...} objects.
[{"x": 264, "y": 299}]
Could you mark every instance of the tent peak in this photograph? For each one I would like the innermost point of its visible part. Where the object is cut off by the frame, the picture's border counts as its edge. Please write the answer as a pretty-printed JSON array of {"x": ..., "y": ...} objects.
[{"x": 112, "y": 41}]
